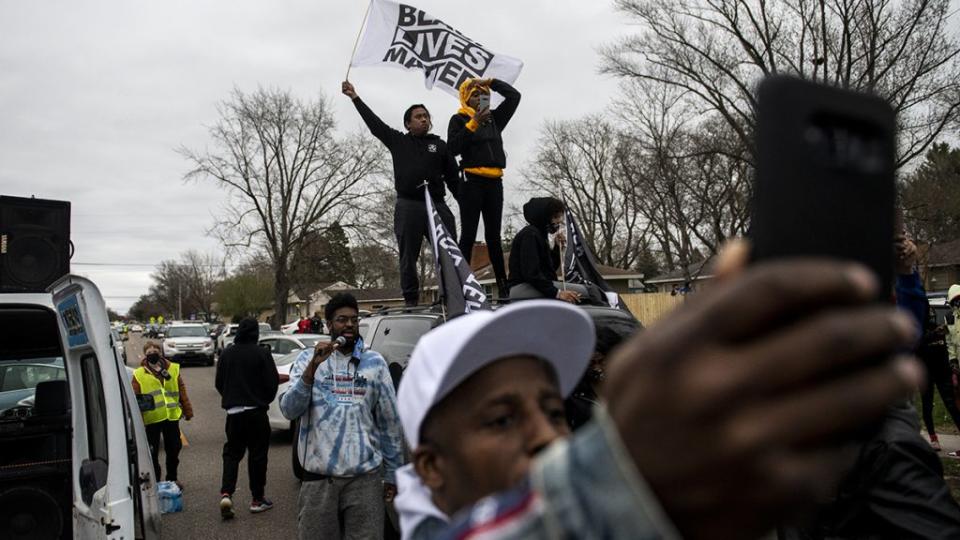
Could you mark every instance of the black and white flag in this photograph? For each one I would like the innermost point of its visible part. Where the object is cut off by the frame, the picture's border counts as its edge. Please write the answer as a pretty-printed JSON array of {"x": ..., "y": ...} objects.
[
  {"x": 460, "y": 290},
  {"x": 580, "y": 266},
  {"x": 400, "y": 35}
]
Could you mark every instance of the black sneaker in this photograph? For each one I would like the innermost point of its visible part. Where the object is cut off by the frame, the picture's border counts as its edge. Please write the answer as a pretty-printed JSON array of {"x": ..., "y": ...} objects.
[
  {"x": 261, "y": 505},
  {"x": 226, "y": 506}
]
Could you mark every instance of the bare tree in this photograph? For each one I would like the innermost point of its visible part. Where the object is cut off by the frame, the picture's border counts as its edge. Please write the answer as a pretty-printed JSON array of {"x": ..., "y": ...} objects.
[
  {"x": 576, "y": 161},
  {"x": 187, "y": 286},
  {"x": 286, "y": 175},
  {"x": 715, "y": 51}
]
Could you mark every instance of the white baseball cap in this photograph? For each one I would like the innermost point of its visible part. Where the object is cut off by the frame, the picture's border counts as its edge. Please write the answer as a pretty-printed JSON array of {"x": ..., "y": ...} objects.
[{"x": 554, "y": 331}]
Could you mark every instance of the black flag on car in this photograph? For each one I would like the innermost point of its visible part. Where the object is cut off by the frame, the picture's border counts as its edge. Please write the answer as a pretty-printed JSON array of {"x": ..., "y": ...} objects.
[
  {"x": 459, "y": 289},
  {"x": 580, "y": 266}
]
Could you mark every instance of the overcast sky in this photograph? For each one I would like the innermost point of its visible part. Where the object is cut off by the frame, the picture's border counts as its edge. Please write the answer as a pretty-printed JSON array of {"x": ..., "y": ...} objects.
[{"x": 96, "y": 96}]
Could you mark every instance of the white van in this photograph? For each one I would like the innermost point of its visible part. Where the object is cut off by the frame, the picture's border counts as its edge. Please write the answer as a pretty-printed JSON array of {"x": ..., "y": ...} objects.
[{"x": 74, "y": 460}]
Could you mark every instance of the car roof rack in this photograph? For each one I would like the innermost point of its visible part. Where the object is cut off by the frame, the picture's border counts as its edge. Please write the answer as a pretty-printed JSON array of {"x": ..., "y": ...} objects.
[{"x": 430, "y": 309}]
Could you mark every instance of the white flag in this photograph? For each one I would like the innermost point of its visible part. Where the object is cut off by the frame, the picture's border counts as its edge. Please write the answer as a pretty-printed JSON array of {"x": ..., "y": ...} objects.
[{"x": 403, "y": 36}]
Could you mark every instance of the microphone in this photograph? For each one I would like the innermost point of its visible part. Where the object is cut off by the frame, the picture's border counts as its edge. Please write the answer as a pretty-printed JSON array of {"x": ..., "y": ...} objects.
[{"x": 340, "y": 341}]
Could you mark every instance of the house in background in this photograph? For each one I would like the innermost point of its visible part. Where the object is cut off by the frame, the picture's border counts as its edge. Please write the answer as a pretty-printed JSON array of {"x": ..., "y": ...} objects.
[
  {"x": 942, "y": 266},
  {"x": 693, "y": 276},
  {"x": 305, "y": 304}
]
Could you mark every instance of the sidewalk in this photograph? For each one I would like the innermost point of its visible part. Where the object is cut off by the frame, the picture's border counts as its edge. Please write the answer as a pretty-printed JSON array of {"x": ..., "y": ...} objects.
[{"x": 949, "y": 443}]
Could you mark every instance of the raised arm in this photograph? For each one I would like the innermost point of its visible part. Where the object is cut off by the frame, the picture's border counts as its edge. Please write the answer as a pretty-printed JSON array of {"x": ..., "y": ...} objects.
[
  {"x": 377, "y": 127},
  {"x": 504, "y": 112}
]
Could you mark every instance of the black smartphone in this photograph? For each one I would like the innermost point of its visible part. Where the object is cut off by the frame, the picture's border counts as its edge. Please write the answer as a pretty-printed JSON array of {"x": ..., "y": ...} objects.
[
  {"x": 825, "y": 175},
  {"x": 950, "y": 319}
]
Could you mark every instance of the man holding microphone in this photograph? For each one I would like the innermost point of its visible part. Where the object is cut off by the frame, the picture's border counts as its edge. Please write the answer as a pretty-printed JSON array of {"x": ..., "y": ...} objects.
[{"x": 349, "y": 437}]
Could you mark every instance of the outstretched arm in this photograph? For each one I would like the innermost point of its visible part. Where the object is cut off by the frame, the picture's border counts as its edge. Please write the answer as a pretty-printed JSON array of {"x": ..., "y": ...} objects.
[{"x": 377, "y": 127}]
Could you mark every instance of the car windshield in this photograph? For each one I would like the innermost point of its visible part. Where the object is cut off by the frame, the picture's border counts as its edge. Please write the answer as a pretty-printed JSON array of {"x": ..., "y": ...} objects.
[
  {"x": 186, "y": 331},
  {"x": 264, "y": 327},
  {"x": 19, "y": 379},
  {"x": 288, "y": 358}
]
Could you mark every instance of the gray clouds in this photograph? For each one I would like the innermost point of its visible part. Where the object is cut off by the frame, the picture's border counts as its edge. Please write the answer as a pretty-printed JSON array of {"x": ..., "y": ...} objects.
[{"x": 96, "y": 96}]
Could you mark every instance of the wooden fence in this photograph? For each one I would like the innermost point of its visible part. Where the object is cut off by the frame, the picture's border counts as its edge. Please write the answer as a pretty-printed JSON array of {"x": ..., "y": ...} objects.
[{"x": 648, "y": 307}]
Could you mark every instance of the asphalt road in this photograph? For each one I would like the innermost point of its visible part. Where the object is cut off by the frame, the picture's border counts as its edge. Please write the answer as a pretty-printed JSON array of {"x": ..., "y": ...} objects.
[{"x": 200, "y": 468}]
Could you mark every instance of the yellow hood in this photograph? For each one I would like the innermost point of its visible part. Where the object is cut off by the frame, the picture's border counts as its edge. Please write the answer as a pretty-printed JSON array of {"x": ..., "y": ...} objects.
[{"x": 467, "y": 89}]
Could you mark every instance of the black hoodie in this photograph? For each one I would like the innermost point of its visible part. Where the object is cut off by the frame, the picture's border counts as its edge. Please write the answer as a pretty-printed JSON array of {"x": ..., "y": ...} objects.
[
  {"x": 415, "y": 159},
  {"x": 246, "y": 373},
  {"x": 531, "y": 259}
]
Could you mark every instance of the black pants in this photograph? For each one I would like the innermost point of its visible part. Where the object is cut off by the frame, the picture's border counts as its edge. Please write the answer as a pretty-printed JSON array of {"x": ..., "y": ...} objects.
[
  {"x": 170, "y": 430},
  {"x": 247, "y": 430},
  {"x": 411, "y": 225},
  {"x": 934, "y": 358},
  {"x": 481, "y": 196}
]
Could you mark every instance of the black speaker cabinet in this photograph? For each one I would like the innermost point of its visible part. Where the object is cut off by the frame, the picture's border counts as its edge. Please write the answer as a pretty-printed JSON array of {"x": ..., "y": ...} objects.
[{"x": 34, "y": 243}]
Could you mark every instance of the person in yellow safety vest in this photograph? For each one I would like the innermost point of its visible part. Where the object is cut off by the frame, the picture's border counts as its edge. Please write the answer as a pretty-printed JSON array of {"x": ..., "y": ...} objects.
[{"x": 159, "y": 379}]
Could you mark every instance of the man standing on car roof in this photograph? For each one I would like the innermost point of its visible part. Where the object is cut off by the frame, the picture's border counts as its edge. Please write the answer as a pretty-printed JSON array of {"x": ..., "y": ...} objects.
[
  {"x": 419, "y": 158},
  {"x": 349, "y": 441}
]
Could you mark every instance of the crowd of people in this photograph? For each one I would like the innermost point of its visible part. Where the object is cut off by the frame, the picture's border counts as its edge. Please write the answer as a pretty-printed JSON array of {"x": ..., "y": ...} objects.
[{"x": 777, "y": 402}]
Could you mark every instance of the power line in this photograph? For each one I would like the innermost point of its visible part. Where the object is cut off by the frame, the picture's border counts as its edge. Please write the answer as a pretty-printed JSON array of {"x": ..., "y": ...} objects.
[{"x": 153, "y": 265}]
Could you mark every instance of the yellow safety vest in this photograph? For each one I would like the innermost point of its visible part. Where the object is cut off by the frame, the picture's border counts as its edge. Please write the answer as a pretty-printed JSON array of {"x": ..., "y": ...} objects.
[{"x": 166, "y": 396}]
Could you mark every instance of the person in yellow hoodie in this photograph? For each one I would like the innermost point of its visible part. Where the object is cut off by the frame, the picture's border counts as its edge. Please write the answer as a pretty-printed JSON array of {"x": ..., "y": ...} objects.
[{"x": 474, "y": 134}]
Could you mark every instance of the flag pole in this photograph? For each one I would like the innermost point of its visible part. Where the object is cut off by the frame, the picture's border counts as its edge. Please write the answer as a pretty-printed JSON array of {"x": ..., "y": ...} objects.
[
  {"x": 563, "y": 253},
  {"x": 357, "y": 41}
]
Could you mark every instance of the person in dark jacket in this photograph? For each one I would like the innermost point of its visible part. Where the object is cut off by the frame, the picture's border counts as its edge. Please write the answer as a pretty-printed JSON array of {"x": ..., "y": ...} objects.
[
  {"x": 533, "y": 262},
  {"x": 419, "y": 158},
  {"x": 585, "y": 396},
  {"x": 474, "y": 134},
  {"x": 247, "y": 381}
]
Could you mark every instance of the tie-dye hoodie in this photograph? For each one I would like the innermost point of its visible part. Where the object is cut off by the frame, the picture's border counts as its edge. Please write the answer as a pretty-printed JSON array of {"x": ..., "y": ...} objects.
[{"x": 353, "y": 425}]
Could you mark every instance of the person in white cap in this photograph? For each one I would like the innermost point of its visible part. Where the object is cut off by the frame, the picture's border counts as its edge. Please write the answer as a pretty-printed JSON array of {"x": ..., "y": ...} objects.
[
  {"x": 953, "y": 329},
  {"x": 481, "y": 396},
  {"x": 723, "y": 419}
]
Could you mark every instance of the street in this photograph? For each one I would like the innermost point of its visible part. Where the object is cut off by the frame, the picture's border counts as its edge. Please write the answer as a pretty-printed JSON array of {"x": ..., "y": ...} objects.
[{"x": 200, "y": 467}]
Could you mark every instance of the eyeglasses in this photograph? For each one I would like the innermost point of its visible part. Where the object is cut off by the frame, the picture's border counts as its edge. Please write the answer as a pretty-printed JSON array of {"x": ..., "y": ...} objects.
[{"x": 343, "y": 319}]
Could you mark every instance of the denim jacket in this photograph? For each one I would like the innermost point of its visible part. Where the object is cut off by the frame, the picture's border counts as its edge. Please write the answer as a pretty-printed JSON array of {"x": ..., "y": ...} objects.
[{"x": 585, "y": 487}]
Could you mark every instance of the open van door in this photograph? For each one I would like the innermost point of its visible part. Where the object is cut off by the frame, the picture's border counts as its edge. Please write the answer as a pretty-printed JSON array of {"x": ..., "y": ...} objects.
[{"x": 113, "y": 484}]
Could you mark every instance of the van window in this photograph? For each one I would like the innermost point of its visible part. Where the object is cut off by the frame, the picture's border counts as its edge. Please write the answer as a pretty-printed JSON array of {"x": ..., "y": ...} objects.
[
  {"x": 396, "y": 337},
  {"x": 96, "y": 410}
]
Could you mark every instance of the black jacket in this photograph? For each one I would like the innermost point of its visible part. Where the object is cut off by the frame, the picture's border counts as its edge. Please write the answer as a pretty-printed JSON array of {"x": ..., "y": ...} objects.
[
  {"x": 246, "y": 373},
  {"x": 896, "y": 490},
  {"x": 484, "y": 147},
  {"x": 531, "y": 259},
  {"x": 415, "y": 159}
]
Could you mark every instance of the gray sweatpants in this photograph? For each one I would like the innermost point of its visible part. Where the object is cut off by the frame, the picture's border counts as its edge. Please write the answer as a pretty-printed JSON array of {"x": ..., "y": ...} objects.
[{"x": 341, "y": 508}]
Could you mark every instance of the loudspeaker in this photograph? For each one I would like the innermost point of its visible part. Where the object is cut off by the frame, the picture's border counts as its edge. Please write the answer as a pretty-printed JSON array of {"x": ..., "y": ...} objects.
[{"x": 34, "y": 243}]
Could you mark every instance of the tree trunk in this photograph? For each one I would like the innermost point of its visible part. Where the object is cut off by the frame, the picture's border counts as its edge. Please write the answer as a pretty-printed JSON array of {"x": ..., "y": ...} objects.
[{"x": 281, "y": 292}]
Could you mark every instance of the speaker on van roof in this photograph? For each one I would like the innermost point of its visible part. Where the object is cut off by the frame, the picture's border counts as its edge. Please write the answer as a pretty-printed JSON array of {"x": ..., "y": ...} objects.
[{"x": 35, "y": 244}]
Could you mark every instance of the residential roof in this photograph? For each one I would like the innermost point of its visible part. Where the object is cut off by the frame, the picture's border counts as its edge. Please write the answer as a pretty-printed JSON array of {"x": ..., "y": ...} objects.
[
  {"x": 947, "y": 253},
  {"x": 697, "y": 271},
  {"x": 369, "y": 295}
]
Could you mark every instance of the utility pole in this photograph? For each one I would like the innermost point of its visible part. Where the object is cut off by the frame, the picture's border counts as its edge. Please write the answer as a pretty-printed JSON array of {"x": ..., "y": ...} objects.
[{"x": 179, "y": 301}]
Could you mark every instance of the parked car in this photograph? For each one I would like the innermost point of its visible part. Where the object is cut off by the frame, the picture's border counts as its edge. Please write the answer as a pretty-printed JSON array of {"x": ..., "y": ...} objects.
[
  {"x": 188, "y": 343},
  {"x": 117, "y": 342},
  {"x": 284, "y": 363},
  {"x": 75, "y": 460},
  {"x": 282, "y": 344},
  {"x": 136, "y": 328},
  {"x": 290, "y": 328}
]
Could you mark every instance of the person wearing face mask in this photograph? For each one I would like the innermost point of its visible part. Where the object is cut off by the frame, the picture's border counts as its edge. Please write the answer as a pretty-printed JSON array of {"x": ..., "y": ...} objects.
[
  {"x": 419, "y": 158},
  {"x": 475, "y": 134},
  {"x": 536, "y": 252},
  {"x": 163, "y": 401}
]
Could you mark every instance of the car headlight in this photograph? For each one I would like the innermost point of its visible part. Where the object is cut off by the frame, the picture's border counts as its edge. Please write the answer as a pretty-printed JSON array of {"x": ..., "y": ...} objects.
[
  {"x": 208, "y": 344},
  {"x": 170, "y": 345}
]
